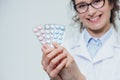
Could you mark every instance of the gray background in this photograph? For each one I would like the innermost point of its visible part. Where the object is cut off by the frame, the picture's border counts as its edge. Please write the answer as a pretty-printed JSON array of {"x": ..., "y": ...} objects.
[{"x": 20, "y": 53}]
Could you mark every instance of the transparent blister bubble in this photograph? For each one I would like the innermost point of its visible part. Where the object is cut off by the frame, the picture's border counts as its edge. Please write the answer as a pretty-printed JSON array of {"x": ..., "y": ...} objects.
[{"x": 49, "y": 33}]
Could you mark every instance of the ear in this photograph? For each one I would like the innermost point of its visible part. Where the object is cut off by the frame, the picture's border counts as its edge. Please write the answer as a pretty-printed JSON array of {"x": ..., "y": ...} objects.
[{"x": 111, "y": 6}]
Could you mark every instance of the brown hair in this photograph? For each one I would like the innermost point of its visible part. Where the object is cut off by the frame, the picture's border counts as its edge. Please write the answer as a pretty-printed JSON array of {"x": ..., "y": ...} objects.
[{"x": 114, "y": 13}]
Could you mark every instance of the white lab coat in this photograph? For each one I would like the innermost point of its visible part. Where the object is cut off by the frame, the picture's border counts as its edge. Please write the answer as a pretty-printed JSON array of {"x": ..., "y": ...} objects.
[{"x": 105, "y": 65}]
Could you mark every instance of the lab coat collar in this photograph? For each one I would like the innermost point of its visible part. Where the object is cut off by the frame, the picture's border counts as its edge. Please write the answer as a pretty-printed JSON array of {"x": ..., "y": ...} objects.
[{"x": 104, "y": 53}]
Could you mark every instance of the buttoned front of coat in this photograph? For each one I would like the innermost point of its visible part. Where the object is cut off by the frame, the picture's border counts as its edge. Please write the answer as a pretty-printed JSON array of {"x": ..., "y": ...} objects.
[{"x": 105, "y": 65}]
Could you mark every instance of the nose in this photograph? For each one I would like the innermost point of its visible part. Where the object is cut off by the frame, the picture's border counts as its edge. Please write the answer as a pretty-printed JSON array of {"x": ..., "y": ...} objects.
[{"x": 91, "y": 11}]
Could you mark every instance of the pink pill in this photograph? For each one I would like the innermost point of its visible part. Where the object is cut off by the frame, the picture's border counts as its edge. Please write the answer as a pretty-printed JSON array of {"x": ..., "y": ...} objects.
[
  {"x": 39, "y": 27},
  {"x": 35, "y": 30}
]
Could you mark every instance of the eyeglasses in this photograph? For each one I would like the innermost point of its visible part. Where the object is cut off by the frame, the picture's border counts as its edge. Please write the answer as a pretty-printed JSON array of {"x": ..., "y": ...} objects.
[{"x": 83, "y": 7}]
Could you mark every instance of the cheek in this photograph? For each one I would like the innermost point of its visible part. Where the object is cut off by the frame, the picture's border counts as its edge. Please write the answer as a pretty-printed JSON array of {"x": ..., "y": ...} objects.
[
  {"x": 106, "y": 12},
  {"x": 82, "y": 17}
]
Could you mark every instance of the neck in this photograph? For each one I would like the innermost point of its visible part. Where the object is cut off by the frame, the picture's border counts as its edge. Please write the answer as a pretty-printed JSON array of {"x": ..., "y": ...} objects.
[{"x": 100, "y": 32}]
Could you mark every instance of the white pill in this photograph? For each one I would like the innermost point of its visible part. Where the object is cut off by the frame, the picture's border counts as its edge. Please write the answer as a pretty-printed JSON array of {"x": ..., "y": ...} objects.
[
  {"x": 42, "y": 31},
  {"x": 43, "y": 42},
  {"x": 40, "y": 38},
  {"x": 37, "y": 34},
  {"x": 51, "y": 36},
  {"x": 48, "y": 36},
  {"x": 52, "y": 31},
  {"x": 48, "y": 41},
  {"x": 48, "y": 31},
  {"x": 43, "y": 35},
  {"x": 52, "y": 26},
  {"x": 47, "y": 27},
  {"x": 54, "y": 40}
]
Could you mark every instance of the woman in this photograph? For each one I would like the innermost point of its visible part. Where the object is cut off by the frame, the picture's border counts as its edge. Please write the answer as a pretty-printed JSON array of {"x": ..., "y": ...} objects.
[{"x": 95, "y": 54}]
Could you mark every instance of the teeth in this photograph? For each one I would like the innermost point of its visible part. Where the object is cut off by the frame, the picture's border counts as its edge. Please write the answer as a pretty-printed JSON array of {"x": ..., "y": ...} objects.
[{"x": 94, "y": 19}]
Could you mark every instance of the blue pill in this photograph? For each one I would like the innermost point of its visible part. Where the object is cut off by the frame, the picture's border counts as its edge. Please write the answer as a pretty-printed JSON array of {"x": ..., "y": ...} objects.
[
  {"x": 60, "y": 37},
  {"x": 55, "y": 36},
  {"x": 61, "y": 32},
  {"x": 57, "y": 26},
  {"x": 56, "y": 32},
  {"x": 59, "y": 42},
  {"x": 62, "y": 28}
]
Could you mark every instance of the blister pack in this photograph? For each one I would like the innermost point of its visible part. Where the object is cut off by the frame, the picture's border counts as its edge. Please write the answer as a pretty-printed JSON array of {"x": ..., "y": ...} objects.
[{"x": 49, "y": 33}]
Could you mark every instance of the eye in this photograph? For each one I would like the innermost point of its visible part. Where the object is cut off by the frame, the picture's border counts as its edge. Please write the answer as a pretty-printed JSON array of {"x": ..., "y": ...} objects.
[
  {"x": 82, "y": 5},
  {"x": 97, "y": 2}
]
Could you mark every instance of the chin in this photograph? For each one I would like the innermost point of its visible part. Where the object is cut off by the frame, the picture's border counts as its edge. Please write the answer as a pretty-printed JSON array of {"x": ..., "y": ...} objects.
[{"x": 95, "y": 27}]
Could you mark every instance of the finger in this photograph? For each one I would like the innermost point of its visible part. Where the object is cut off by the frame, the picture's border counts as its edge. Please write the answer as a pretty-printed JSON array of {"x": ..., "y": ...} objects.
[
  {"x": 56, "y": 61},
  {"x": 56, "y": 71},
  {"x": 45, "y": 46},
  {"x": 43, "y": 61},
  {"x": 51, "y": 55},
  {"x": 56, "y": 78},
  {"x": 47, "y": 50},
  {"x": 44, "y": 67},
  {"x": 55, "y": 44}
]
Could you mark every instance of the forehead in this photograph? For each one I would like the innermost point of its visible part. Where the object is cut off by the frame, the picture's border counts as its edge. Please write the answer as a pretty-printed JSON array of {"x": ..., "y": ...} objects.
[{"x": 78, "y": 1}]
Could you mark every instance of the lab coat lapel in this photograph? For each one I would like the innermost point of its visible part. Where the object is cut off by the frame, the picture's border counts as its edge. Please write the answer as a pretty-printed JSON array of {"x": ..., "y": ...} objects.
[
  {"x": 84, "y": 52},
  {"x": 107, "y": 50},
  {"x": 81, "y": 50}
]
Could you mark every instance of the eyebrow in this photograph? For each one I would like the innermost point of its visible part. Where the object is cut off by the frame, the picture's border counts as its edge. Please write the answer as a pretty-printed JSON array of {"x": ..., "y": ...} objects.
[{"x": 82, "y": 2}]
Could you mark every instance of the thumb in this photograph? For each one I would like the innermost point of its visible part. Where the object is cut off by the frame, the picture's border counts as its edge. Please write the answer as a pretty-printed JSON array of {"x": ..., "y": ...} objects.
[{"x": 55, "y": 44}]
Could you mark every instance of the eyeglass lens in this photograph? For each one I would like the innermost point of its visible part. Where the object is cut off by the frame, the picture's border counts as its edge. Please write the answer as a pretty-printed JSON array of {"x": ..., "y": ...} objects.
[{"x": 82, "y": 7}]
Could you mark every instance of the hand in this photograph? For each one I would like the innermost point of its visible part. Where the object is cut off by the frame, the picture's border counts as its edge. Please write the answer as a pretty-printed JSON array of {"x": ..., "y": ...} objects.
[
  {"x": 57, "y": 62},
  {"x": 56, "y": 78},
  {"x": 71, "y": 71},
  {"x": 53, "y": 60}
]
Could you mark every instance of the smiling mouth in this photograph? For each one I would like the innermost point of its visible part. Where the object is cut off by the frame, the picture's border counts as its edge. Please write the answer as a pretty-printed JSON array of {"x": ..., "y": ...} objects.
[{"x": 94, "y": 19}]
